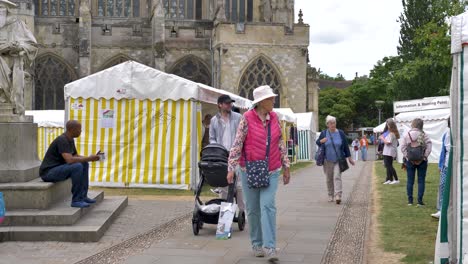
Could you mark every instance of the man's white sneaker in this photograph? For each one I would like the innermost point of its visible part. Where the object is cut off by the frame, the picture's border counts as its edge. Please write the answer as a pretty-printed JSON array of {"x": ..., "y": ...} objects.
[
  {"x": 387, "y": 182},
  {"x": 271, "y": 254},
  {"x": 394, "y": 182},
  {"x": 436, "y": 215},
  {"x": 258, "y": 251}
]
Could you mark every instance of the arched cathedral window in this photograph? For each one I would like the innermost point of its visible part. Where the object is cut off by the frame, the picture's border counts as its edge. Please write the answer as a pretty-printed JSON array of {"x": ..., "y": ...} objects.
[
  {"x": 183, "y": 9},
  {"x": 193, "y": 69},
  {"x": 55, "y": 7},
  {"x": 115, "y": 61},
  {"x": 258, "y": 73},
  {"x": 51, "y": 75}
]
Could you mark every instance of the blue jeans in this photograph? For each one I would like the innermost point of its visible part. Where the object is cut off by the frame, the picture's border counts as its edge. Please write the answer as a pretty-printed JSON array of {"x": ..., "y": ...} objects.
[
  {"x": 443, "y": 177},
  {"x": 78, "y": 172},
  {"x": 364, "y": 153},
  {"x": 411, "y": 172},
  {"x": 261, "y": 211}
]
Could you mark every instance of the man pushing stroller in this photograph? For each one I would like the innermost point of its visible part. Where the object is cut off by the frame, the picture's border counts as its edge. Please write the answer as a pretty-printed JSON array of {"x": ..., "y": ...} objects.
[{"x": 223, "y": 131}]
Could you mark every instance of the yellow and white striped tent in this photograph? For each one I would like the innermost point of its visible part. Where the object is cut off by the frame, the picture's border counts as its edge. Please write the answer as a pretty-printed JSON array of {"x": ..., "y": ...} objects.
[
  {"x": 288, "y": 120},
  {"x": 147, "y": 122},
  {"x": 50, "y": 124}
]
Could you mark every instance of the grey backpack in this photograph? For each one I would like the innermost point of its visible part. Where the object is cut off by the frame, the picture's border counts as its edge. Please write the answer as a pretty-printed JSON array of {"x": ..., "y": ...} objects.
[{"x": 415, "y": 153}]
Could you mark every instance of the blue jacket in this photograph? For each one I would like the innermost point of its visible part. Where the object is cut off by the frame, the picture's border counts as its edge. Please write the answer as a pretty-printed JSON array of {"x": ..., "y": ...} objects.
[{"x": 344, "y": 147}]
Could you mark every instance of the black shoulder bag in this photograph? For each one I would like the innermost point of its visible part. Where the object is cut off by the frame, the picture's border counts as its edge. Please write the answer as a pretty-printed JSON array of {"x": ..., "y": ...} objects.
[
  {"x": 342, "y": 162},
  {"x": 257, "y": 170}
]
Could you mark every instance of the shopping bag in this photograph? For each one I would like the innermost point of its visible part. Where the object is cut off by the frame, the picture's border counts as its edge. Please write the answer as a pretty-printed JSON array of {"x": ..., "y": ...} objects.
[
  {"x": 2, "y": 208},
  {"x": 226, "y": 217}
]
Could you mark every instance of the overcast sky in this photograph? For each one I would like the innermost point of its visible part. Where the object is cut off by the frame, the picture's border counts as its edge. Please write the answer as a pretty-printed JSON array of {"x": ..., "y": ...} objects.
[{"x": 350, "y": 36}]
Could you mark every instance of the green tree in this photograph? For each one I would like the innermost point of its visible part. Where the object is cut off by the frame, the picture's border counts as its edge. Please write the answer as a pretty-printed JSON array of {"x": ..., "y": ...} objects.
[{"x": 338, "y": 103}]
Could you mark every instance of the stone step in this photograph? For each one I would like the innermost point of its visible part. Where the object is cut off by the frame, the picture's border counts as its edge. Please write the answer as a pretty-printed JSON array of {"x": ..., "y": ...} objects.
[
  {"x": 34, "y": 194},
  {"x": 90, "y": 228},
  {"x": 57, "y": 215}
]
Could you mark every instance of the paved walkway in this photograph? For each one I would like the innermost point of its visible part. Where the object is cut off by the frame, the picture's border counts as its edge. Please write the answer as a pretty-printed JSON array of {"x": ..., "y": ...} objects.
[
  {"x": 137, "y": 218},
  {"x": 310, "y": 229}
]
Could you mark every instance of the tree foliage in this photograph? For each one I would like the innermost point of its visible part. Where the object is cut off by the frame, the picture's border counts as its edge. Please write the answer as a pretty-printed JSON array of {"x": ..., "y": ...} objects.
[{"x": 421, "y": 69}]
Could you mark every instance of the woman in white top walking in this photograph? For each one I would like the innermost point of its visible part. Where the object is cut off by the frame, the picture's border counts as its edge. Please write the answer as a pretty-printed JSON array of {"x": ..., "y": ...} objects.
[
  {"x": 390, "y": 151},
  {"x": 355, "y": 145}
]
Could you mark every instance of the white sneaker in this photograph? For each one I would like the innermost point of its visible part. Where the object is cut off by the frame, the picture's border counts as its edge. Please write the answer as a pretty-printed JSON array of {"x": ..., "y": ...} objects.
[
  {"x": 394, "y": 182},
  {"x": 387, "y": 182},
  {"x": 258, "y": 251},
  {"x": 436, "y": 215},
  {"x": 272, "y": 255}
]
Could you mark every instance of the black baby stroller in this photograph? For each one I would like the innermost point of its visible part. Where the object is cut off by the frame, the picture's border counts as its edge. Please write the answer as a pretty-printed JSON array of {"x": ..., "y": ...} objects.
[{"x": 213, "y": 171}]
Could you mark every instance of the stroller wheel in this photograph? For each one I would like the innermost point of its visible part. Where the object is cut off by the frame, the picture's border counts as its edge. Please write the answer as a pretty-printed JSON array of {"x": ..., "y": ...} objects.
[
  {"x": 196, "y": 228},
  {"x": 241, "y": 220}
]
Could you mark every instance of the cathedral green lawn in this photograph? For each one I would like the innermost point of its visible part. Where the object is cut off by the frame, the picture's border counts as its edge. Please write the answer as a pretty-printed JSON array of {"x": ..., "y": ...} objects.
[{"x": 408, "y": 230}]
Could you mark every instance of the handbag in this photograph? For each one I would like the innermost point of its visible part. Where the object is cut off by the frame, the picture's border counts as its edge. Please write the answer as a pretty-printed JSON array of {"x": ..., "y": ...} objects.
[
  {"x": 342, "y": 162},
  {"x": 320, "y": 155},
  {"x": 257, "y": 170}
]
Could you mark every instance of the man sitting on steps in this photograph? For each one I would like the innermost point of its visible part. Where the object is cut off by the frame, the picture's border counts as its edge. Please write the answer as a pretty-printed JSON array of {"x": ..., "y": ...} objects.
[{"x": 62, "y": 161}]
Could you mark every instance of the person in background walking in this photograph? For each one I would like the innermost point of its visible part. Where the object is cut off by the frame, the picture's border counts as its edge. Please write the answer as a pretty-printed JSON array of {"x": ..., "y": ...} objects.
[
  {"x": 390, "y": 151},
  {"x": 443, "y": 164},
  {"x": 364, "y": 147},
  {"x": 336, "y": 147},
  {"x": 250, "y": 145},
  {"x": 355, "y": 145},
  {"x": 206, "y": 130},
  {"x": 223, "y": 129},
  {"x": 414, "y": 139}
]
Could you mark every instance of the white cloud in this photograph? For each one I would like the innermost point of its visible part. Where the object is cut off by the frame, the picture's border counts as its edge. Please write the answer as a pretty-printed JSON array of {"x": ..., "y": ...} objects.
[{"x": 350, "y": 36}]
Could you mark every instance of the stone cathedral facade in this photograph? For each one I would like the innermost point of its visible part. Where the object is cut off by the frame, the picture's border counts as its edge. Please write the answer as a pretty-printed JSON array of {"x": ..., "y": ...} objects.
[{"x": 235, "y": 45}]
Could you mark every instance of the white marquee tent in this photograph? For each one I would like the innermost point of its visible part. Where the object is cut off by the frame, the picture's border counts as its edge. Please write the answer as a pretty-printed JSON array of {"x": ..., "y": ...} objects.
[
  {"x": 452, "y": 236},
  {"x": 147, "y": 122},
  {"x": 435, "y": 125},
  {"x": 306, "y": 135}
]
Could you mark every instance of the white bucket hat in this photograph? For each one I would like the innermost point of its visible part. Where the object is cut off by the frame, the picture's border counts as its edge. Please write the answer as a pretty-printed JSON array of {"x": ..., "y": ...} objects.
[
  {"x": 261, "y": 93},
  {"x": 8, "y": 3}
]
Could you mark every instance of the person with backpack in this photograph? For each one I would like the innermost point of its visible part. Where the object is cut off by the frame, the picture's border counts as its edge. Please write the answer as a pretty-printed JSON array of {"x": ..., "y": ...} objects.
[
  {"x": 416, "y": 148},
  {"x": 390, "y": 151}
]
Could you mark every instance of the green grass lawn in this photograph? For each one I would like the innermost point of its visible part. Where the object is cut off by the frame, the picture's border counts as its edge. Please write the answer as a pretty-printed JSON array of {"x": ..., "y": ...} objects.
[
  {"x": 408, "y": 230},
  {"x": 168, "y": 192}
]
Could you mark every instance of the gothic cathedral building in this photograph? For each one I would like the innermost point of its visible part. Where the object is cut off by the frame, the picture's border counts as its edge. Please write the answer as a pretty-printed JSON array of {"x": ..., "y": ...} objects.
[{"x": 235, "y": 45}]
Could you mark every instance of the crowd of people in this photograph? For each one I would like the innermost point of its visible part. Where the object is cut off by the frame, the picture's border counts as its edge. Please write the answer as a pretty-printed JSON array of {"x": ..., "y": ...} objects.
[{"x": 416, "y": 148}]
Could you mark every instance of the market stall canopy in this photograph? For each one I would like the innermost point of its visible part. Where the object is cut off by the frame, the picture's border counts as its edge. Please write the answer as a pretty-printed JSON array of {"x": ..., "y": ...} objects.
[
  {"x": 437, "y": 114},
  {"x": 133, "y": 80},
  {"x": 379, "y": 128},
  {"x": 305, "y": 121},
  {"x": 286, "y": 114},
  {"x": 48, "y": 118}
]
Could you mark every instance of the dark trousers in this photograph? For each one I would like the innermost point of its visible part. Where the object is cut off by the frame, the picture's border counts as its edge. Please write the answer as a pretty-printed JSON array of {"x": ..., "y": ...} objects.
[
  {"x": 411, "y": 172},
  {"x": 391, "y": 172},
  {"x": 78, "y": 172}
]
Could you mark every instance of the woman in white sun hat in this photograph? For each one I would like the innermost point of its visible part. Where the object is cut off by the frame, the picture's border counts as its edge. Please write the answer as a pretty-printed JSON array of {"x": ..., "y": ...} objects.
[{"x": 250, "y": 146}]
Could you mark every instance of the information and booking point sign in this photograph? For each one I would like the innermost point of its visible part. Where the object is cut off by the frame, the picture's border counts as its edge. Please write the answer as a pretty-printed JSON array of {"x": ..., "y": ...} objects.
[{"x": 427, "y": 103}]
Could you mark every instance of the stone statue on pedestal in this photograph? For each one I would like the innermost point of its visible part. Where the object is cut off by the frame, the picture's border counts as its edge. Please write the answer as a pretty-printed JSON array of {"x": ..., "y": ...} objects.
[{"x": 18, "y": 48}]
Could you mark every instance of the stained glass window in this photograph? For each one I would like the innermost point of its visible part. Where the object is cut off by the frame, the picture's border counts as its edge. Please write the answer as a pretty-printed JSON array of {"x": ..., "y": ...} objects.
[
  {"x": 193, "y": 69},
  {"x": 236, "y": 10},
  {"x": 118, "y": 8},
  {"x": 55, "y": 7},
  {"x": 183, "y": 9},
  {"x": 258, "y": 73},
  {"x": 51, "y": 76},
  {"x": 115, "y": 61}
]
